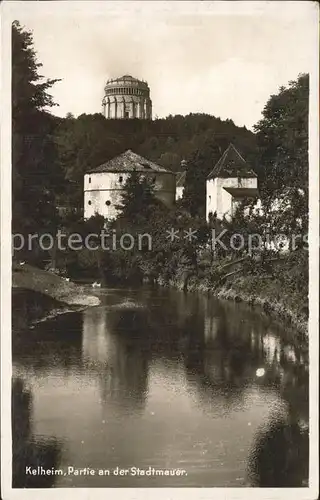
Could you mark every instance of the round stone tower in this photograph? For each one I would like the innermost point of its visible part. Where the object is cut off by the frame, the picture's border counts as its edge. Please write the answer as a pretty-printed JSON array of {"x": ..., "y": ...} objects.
[{"x": 127, "y": 97}]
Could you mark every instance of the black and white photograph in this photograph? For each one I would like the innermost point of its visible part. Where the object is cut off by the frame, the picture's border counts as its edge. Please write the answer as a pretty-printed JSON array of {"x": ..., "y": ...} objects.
[{"x": 159, "y": 249}]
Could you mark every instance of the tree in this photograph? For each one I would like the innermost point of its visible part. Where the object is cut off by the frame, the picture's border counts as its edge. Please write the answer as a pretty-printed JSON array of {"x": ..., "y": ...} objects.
[
  {"x": 36, "y": 175},
  {"x": 83, "y": 143},
  {"x": 138, "y": 200},
  {"x": 282, "y": 138},
  {"x": 198, "y": 168},
  {"x": 88, "y": 141}
]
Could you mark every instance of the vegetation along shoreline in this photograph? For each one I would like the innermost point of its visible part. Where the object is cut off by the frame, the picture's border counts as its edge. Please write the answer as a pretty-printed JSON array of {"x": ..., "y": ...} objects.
[{"x": 229, "y": 180}]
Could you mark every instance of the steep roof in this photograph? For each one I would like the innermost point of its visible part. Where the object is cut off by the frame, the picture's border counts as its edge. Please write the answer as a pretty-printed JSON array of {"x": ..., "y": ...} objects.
[
  {"x": 129, "y": 162},
  {"x": 231, "y": 164},
  {"x": 181, "y": 178}
]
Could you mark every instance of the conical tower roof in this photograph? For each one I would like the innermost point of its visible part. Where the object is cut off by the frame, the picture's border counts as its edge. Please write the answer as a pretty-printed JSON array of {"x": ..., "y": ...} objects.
[{"x": 129, "y": 162}]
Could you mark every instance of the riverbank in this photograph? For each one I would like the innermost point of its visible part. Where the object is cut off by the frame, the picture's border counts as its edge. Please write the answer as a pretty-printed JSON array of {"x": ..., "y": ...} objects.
[
  {"x": 39, "y": 295},
  {"x": 51, "y": 295},
  {"x": 255, "y": 291}
]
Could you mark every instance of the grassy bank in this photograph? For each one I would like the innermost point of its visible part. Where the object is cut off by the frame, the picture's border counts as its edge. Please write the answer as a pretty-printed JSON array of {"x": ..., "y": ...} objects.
[
  {"x": 49, "y": 284},
  {"x": 49, "y": 294}
]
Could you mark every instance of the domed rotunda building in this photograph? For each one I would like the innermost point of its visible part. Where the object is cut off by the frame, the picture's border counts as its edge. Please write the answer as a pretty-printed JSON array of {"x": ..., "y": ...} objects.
[{"x": 127, "y": 97}]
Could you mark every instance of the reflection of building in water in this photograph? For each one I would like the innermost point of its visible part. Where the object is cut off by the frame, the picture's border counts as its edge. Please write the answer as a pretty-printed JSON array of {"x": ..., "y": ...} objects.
[
  {"x": 120, "y": 363},
  {"x": 271, "y": 347},
  {"x": 96, "y": 343},
  {"x": 211, "y": 327},
  {"x": 276, "y": 352}
]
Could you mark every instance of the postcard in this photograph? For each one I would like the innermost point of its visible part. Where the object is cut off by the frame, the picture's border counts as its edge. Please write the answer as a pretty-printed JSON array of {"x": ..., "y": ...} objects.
[{"x": 159, "y": 249}]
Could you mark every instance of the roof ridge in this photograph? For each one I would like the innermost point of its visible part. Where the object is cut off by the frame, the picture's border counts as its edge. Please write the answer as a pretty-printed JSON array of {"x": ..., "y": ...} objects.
[
  {"x": 129, "y": 156},
  {"x": 180, "y": 177},
  {"x": 237, "y": 151},
  {"x": 222, "y": 163},
  {"x": 218, "y": 163}
]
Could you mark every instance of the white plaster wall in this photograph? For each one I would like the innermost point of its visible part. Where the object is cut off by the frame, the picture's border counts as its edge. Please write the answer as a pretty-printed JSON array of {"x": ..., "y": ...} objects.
[
  {"x": 100, "y": 188},
  {"x": 218, "y": 199},
  {"x": 103, "y": 187},
  {"x": 179, "y": 192}
]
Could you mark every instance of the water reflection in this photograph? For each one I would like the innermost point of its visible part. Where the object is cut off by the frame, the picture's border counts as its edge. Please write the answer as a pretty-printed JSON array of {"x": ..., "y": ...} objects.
[
  {"x": 173, "y": 381},
  {"x": 29, "y": 450},
  {"x": 119, "y": 362},
  {"x": 53, "y": 346},
  {"x": 278, "y": 457}
]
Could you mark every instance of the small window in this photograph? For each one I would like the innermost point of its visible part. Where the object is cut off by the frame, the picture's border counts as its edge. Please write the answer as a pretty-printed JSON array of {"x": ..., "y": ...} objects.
[
  {"x": 154, "y": 180},
  {"x": 89, "y": 180},
  {"x": 89, "y": 202},
  {"x": 108, "y": 203},
  {"x": 120, "y": 178}
]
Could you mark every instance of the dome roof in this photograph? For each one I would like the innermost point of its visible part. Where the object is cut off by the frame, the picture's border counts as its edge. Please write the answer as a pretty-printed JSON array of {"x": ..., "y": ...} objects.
[{"x": 127, "y": 78}]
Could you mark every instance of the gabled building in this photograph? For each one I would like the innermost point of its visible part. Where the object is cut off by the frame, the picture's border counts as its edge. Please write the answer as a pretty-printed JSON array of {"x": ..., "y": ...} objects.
[
  {"x": 104, "y": 185},
  {"x": 230, "y": 181}
]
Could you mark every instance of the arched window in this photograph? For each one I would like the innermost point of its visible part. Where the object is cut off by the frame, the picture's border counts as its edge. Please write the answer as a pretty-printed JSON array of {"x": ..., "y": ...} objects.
[
  {"x": 89, "y": 202},
  {"x": 120, "y": 178},
  {"x": 89, "y": 180}
]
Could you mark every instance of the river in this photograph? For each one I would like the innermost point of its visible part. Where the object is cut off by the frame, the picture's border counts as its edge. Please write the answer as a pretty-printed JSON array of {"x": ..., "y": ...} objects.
[{"x": 155, "y": 378}]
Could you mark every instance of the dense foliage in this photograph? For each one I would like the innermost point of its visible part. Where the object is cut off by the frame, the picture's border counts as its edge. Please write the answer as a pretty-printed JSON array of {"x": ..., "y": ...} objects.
[
  {"x": 282, "y": 153},
  {"x": 36, "y": 171},
  {"x": 90, "y": 140},
  {"x": 51, "y": 155}
]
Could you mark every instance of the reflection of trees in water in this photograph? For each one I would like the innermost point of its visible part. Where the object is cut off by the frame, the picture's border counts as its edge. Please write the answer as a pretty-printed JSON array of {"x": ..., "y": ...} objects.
[
  {"x": 27, "y": 450},
  {"x": 115, "y": 348},
  {"x": 222, "y": 361},
  {"x": 53, "y": 344},
  {"x": 234, "y": 346},
  {"x": 279, "y": 457},
  {"x": 124, "y": 377},
  {"x": 133, "y": 337}
]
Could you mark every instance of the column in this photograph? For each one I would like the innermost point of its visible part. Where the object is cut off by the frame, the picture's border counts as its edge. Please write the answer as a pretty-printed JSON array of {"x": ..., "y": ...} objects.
[
  {"x": 142, "y": 108},
  {"x": 115, "y": 108}
]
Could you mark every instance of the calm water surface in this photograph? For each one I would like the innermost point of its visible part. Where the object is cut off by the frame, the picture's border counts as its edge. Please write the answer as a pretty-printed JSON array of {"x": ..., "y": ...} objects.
[{"x": 162, "y": 379}]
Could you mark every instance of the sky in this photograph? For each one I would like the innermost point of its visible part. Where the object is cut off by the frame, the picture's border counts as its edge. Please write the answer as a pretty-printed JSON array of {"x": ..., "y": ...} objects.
[{"x": 221, "y": 58}]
